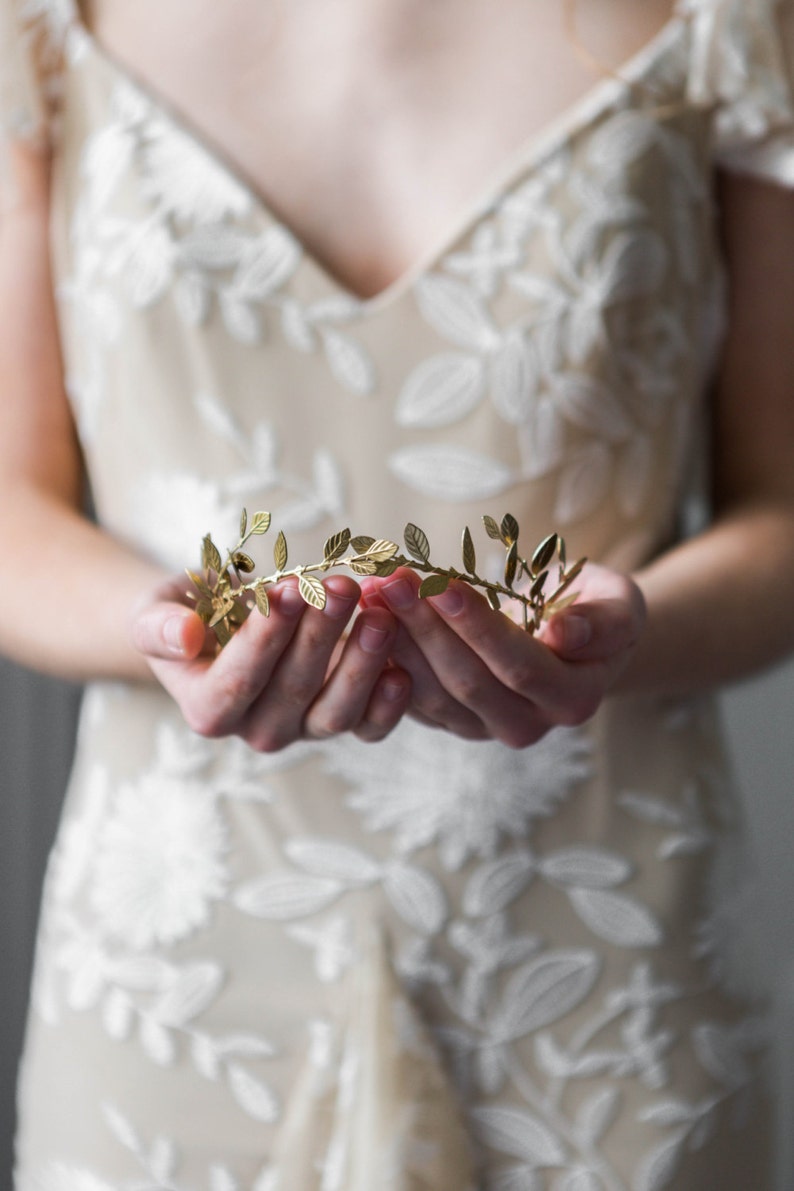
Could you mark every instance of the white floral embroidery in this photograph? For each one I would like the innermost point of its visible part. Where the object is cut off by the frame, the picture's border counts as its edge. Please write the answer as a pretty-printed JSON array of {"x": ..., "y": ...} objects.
[
  {"x": 161, "y": 862},
  {"x": 397, "y": 788}
]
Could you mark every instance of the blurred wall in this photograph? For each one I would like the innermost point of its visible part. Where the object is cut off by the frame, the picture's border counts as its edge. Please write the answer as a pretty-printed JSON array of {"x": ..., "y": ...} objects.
[{"x": 37, "y": 719}]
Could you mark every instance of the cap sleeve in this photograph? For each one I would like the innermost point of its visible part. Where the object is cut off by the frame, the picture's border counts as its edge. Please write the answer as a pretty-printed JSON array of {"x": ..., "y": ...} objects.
[
  {"x": 32, "y": 40},
  {"x": 742, "y": 55}
]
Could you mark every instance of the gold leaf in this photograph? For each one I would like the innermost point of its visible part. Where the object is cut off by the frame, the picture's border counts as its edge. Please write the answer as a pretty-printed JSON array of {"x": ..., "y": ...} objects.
[
  {"x": 493, "y": 599},
  {"x": 238, "y": 613},
  {"x": 243, "y": 562},
  {"x": 568, "y": 578},
  {"x": 416, "y": 542},
  {"x": 562, "y": 553},
  {"x": 221, "y": 608},
  {"x": 205, "y": 610},
  {"x": 312, "y": 590},
  {"x": 260, "y": 523},
  {"x": 509, "y": 531},
  {"x": 243, "y": 523},
  {"x": 210, "y": 555},
  {"x": 262, "y": 599},
  {"x": 492, "y": 529},
  {"x": 381, "y": 550},
  {"x": 199, "y": 582},
  {"x": 280, "y": 551},
  {"x": 386, "y": 568},
  {"x": 544, "y": 553},
  {"x": 336, "y": 545},
  {"x": 538, "y": 584},
  {"x": 222, "y": 632},
  {"x": 363, "y": 566},
  {"x": 552, "y": 607},
  {"x": 433, "y": 585},
  {"x": 469, "y": 556},
  {"x": 362, "y": 543},
  {"x": 510, "y": 564}
]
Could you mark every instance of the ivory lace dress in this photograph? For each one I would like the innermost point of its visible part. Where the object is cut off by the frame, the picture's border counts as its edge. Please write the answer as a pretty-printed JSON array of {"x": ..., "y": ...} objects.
[{"x": 429, "y": 963}]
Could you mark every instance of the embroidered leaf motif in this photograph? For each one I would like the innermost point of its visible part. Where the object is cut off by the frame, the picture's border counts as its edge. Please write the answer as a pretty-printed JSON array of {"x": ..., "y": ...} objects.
[
  {"x": 514, "y": 377},
  {"x": 543, "y": 991},
  {"x": 441, "y": 391},
  {"x": 617, "y": 918},
  {"x": 494, "y": 885},
  {"x": 193, "y": 990},
  {"x": 596, "y": 1114},
  {"x": 280, "y": 896},
  {"x": 268, "y": 262},
  {"x": 518, "y": 1133},
  {"x": 213, "y": 246},
  {"x": 339, "y": 862},
  {"x": 240, "y": 319},
  {"x": 122, "y": 1129},
  {"x": 416, "y": 896},
  {"x": 660, "y": 1166},
  {"x": 205, "y": 1057},
  {"x": 157, "y": 1042},
  {"x": 162, "y": 1159},
  {"x": 634, "y": 474},
  {"x": 591, "y": 867},
  {"x": 350, "y": 363},
  {"x": 668, "y": 1113},
  {"x": 255, "y": 1097},
  {"x": 456, "y": 313},
  {"x": 545, "y": 448},
  {"x": 717, "y": 1051},
  {"x": 118, "y": 1015},
  {"x": 221, "y": 1179},
  {"x": 296, "y": 327},
  {"x": 450, "y": 473}
]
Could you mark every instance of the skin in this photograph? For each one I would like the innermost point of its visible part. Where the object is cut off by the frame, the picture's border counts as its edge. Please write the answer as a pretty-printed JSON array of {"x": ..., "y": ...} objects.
[{"x": 690, "y": 620}]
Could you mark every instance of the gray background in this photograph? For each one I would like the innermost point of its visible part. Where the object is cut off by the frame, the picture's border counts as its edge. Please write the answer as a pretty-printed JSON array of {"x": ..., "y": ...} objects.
[{"x": 36, "y": 727}]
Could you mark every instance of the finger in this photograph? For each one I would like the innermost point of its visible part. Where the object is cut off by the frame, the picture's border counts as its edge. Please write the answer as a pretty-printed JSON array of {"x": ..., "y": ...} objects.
[
  {"x": 342, "y": 702},
  {"x": 461, "y": 670},
  {"x": 276, "y": 717},
  {"x": 534, "y": 687},
  {"x": 597, "y": 630},
  {"x": 168, "y": 630},
  {"x": 215, "y": 694},
  {"x": 430, "y": 702},
  {"x": 389, "y": 702}
]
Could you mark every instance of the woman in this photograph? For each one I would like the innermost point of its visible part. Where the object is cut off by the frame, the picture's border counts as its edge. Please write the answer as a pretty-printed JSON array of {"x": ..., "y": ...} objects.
[{"x": 413, "y": 900}]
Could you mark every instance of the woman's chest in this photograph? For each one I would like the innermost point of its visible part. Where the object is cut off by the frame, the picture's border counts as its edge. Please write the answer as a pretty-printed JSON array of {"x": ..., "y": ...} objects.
[{"x": 368, "y": 127}]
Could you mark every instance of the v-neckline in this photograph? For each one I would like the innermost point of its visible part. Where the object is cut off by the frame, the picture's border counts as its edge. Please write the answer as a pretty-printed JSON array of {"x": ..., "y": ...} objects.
[{"x": 536, "y": 149}]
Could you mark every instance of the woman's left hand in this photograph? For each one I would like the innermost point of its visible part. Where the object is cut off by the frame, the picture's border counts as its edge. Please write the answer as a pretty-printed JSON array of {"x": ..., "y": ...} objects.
[{"x": 480, "y": 675}]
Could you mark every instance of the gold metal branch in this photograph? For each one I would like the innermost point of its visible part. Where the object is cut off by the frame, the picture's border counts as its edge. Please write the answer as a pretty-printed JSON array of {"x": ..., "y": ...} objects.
[{"x": 225, "y": 594}]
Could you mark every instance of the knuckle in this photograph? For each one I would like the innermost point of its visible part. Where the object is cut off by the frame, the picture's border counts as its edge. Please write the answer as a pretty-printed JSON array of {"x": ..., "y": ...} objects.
[
  {"x": 268, "y": 739},
  {"x": 469, "y": 688},
  {"x": 204, "y": 721},
  {"x": 522, "y": 677}
]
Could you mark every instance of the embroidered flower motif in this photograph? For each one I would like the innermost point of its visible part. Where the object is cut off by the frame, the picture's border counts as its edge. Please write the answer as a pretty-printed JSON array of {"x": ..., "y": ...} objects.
[
  {"x": 161, "y": 862},
  {"x": 432, "y": 788}
]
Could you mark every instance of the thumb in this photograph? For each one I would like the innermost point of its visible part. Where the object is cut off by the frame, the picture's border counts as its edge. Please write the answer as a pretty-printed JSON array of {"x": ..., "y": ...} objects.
[
  {"x": 596, "y": 631},
  {"x": 168, "y": 630}
]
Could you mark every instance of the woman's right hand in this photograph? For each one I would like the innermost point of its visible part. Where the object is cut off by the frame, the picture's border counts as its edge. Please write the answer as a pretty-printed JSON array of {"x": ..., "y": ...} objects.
[{"x": 290, "y": 676}]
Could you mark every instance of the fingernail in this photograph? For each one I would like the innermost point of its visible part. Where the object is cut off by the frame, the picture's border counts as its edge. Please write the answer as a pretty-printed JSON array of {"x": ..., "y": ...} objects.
[
  {"x": 338, "y": 606},
  {"x": 399, "y": 593},
  {"x": 450, "y": 601},
  {"x": 371, "y": 639},
  {"x": 290, "y": 601},
  {"x": 392, "y": 691},
  {"x": 172, "y": 634},
  {"x": 576, "y": 632}
]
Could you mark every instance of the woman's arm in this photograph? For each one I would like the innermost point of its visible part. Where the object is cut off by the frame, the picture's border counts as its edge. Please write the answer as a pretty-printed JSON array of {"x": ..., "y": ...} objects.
[
  {"x": 68, "y": 590},
  {"x": 79, "y": 604},
  {"x": 722, "y": 604}
]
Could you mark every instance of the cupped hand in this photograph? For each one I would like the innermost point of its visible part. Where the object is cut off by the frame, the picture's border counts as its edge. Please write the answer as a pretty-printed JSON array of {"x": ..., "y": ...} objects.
[
  {"x": 480, "y": 675},
  {"x": 293, "y": 675}
]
